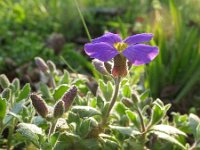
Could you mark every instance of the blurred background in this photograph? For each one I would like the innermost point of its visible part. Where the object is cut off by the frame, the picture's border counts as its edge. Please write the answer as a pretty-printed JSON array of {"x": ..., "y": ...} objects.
[{"x": 52, "y": 29}]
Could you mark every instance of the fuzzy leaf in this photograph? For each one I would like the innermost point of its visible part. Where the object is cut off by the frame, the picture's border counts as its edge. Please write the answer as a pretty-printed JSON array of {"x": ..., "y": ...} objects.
[
  {"x": 15, "y": 110},
  {"x": 59, "y": 91},
  {"x": 32, "y": 127},
  {"x": 65, "y": 78},
  {"x": 85, "y": 111},
  {"x": 197, "y": 135},
  {"x": 30, "y": 132},
  {"x": 168, "y": 138},
  {"x": 134, "y": 118},
  {"x": 66, "y": 140},
  {"x": 125, "y": 130},
  {"x": 157, "y": 114},
  {"x": 106, "y": 89},
  {"x": 126, "y": 91},
  {"x": 84, "y": 128},
  {"x": 168, "y": 129},
  {"x": 193, "y": 122},
  {"x": 45, "y": 91},
  {"x": 120, "y": 108},
  {"x": 24, "y": 93},
  {"x": 144, "y": 95}
]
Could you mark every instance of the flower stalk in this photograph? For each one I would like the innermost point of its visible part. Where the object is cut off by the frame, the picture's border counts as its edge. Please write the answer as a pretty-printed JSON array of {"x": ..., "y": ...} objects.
[
  {"x": 52, "y": 128},
  {"x": 113, "y": 100}
]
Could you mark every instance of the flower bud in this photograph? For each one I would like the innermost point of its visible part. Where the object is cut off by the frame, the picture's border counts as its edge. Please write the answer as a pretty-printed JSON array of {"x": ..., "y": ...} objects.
[
  {"x": 4, "y": 82},
  {"x": 135, "y": 97},
  {"x": 127, "y": 102},
  {"x": 39, "y": 104},
  {"x": 41, "y": 64},
  {"x": 69, "y": 96},
  {"x": 99, "y": 66},
  {"x": 120, "y": 66},
  {"x": 51, "y": 65},
  {"x": 6, "y": 93},
  {"x": 16, "y": 84},
  {"x": 59, "y": 109}
]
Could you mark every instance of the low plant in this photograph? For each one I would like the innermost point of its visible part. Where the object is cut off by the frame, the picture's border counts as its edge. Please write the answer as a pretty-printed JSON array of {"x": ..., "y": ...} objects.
[{"x": 73, "y": 111}]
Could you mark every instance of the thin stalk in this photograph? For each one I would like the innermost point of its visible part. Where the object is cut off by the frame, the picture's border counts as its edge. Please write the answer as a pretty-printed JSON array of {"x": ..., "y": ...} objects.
[
  {"x": 143, "y": 130},
  {"x": 10, "y": 134},
  {"x": 113, "y": 100},
  {"x": 83, "y": 20},
  {"x": 68, "y": 65},
  {"x": 141, "y": 119},
  {"x": 12, "y": 126},
  {"x": 52, "y": 128}
]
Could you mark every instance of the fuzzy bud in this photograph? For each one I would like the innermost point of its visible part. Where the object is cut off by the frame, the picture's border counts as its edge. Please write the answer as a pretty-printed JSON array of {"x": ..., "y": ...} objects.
[
  {"x": 120, "y": 66},
  {"x": 135, "y": 97},
  {"x": 39, "y": 104},
  {"x": 41, "y": 64},
  {"x": 127, "y": 102},
  {"x": 51, "y": 65},
  {"x": 4, "y": 82},
  {"x": 6, "y": 93},
  {"x": 59, "y": 109},
  {"x": 99, "y": 66},
  {"x": 16, "y": 84},
  {"x": 69, "y": 96}
]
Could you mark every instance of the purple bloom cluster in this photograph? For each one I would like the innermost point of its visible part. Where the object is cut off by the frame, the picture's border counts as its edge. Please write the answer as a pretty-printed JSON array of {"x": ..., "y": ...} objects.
[{"x": 109, "y": 45}]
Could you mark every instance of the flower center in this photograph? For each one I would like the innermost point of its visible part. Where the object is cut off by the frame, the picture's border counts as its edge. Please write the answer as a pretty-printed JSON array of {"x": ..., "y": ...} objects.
[{"x": 120, "y": 46}]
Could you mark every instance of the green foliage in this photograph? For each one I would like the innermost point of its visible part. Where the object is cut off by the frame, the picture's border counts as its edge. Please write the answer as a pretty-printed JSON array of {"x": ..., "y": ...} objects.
[
  {"x": 24, "y": 93},
  {"x": 140, "y": 122},
  {"x": 87, "y": 121},
  {"x": 30, "y": 132},
  {"x": 175, "y": 72}
]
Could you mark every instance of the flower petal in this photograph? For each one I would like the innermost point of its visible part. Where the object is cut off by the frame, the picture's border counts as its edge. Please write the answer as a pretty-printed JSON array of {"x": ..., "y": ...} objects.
[
  {"x": 140, "y": 54},
  {"x": 101, "y": 51},
  {"x": 109, "y": 37},
  {"x": 139, "y": 38}
]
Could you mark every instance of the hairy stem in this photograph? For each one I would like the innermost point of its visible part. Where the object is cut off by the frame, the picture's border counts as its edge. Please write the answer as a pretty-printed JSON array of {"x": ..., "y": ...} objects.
[
  {"x": 10, "y": 134},
  {"x": 141, "y": 119},
  {"x": 52, "y": 128},
  {"x": 113, "y": 100},
  {"x": 143, "y": 129}
]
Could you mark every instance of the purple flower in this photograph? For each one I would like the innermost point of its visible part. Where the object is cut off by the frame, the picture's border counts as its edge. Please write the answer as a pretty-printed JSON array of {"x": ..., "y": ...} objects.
[{"x": 110, "y": 45}]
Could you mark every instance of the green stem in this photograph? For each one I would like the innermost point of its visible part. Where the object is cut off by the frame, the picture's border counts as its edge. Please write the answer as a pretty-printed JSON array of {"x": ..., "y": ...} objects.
[
  {"x": 12, "y": 126},
  {"x": 10, "y": 134},
  {"x": 141, "y": 119},
  {"x": 52, "y": 128},
  {"x": 143, "y": 130},
  {"x": 68, "y": 65},
  {"x": 113, "y": 100},
  {"x": 83, "y": 20}
]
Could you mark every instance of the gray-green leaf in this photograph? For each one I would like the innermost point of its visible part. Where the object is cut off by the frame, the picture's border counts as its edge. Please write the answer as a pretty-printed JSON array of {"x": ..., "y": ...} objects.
[
  {"x": 85, "y": 111},
  {"x": 24, "y": 93}
]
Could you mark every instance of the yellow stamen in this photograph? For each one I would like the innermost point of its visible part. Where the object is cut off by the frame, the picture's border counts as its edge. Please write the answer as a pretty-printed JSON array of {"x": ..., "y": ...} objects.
[{"x": 120, "y": 46}]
